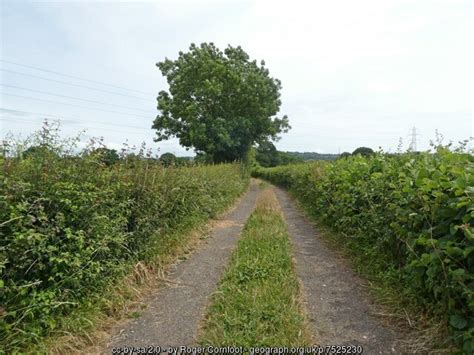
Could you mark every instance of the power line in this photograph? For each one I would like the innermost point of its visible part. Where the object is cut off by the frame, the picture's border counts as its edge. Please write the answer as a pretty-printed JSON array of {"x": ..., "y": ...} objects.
[
  {"x": 59, "y": 117},
  {"x": 291, "y": 146},
  {"x": 71, "y": 84},
  {"x": 357, "y": 139},
  {"x": 352, "y": 139},
  {"x": 13, "y": 111},
  {"x": 89, "y": 126},
  {"x": 68, "y": 104},
  {"x": 74, "y": 98},
  {"x": 62, "y": 117},
  {"x": 72, "y": 76},
  {"x": 77, "y": 118}
]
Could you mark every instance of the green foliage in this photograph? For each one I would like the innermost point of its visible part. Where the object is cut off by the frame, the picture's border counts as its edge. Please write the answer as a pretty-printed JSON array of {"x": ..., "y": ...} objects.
[
  {"x": 363, "y": 151},
  {"x": 168, "y": 159},
  {"x": 285, "y": 158},
  {"x": 256, "y": 303},
  {"x": 39, "y": 150},
  {"x": 410, "y": 219},
  {"x": 203, "y": 158},
  {"x": 69, "y": 226},
  {"x": 106, "y": 156},
  {"x": 268, "y": 156},
  {"x": 313, "y": 155},
  {"x": 219, "y": 103}
]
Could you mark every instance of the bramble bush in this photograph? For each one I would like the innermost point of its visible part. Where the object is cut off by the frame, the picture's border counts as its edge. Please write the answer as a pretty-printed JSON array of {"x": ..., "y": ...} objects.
[
  {"x": 70, "y": 224},
  {"x": 408, "y": 217}
]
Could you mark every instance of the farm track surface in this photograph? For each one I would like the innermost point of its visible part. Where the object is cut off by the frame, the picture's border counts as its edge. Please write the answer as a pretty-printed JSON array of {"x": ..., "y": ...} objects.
[
  {"x": 173, "y": 313},
  {"x": 339, "y": 310}
]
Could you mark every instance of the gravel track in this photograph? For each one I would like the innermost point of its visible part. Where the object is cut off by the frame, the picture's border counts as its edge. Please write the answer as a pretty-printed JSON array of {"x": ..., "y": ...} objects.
[
  {"x": 173, "y": 313},
  {"x": 339, "y": 310}
]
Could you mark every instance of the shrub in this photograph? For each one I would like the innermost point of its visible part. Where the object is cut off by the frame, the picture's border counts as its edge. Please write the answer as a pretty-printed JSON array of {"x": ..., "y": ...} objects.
[
  {"x": 69, "y": 225},
  {"x": 363, "y": 151},
  {"x": 409, "y": 217}
]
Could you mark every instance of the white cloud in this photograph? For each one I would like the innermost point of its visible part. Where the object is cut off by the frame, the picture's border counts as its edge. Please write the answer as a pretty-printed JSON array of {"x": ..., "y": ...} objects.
[{"x": 353, "y": 72}]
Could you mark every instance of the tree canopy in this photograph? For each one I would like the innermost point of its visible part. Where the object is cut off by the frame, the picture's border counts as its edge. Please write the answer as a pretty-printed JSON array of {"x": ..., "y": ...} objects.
[
  {"x": 219, "y": 102},
  {"x": 168, "y": 159},
  {"x": 267, "y": 156},
  {"x": 106, "y": 155},
  {"x": 41, "y": 150},
  {"x": 363, "y": 151}
]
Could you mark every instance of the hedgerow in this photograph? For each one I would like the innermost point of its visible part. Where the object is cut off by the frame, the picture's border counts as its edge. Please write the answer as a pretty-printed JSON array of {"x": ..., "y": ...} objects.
[
  {"x": 408, "y": 217},
  {"x": 70, "y": 224}
]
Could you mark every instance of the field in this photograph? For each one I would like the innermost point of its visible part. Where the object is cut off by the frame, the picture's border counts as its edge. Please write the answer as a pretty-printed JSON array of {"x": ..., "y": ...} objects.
[{"x": 407, "y": 221}]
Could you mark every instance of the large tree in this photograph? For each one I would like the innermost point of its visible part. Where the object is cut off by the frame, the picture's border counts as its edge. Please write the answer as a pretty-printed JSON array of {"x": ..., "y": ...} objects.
[{"x": 219, "y": 102}]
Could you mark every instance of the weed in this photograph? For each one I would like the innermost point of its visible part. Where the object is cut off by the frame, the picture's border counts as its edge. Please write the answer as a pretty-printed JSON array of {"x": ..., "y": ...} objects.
[
  {"x": 257, "y": 302},
  {"x": 408, "y": 219}
]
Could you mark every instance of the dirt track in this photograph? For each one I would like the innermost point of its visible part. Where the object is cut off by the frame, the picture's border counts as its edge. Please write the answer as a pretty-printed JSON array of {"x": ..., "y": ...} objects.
[
  {"x": 174, "y": 311},
  {"x": 339, "y": 309}
]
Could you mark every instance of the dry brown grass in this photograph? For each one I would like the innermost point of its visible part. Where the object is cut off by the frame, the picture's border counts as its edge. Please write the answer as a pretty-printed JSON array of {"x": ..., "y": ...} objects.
[
  {"x": 264, "y": 240},
  {"x": 129, "y": 296},
  {"x": 267, "y": 201},
  {"x": 420, "y": 333}
]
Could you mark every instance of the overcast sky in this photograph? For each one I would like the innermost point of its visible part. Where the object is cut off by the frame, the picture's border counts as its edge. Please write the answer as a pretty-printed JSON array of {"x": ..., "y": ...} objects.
[{"x": 354, "y": 73}]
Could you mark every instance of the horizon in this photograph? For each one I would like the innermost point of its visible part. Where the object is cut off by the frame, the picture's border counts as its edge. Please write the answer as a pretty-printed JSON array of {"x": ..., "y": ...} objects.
[{"x": 360, "y": 77}]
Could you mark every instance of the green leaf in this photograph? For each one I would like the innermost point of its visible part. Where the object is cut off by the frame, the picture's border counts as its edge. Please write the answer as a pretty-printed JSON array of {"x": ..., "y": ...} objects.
[
  {"x": 470, "y": 190},
  {"x": 459, "y": 272},
  {"x": 219, "y": 102},
  {"x": 468, "y": 251},
  {"x": 457, "y": 321}
]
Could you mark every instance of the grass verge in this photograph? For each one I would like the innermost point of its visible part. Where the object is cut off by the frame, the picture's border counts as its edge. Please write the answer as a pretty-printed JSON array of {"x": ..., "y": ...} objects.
[
  {"x": 422, "y": 333},
  {"x": 87, "y": 329},
  {"x": 258, "y": 300}
]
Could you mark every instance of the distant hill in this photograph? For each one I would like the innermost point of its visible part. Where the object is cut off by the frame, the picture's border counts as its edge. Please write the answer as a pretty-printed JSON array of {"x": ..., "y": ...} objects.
[{"x": 313, "y": 156}]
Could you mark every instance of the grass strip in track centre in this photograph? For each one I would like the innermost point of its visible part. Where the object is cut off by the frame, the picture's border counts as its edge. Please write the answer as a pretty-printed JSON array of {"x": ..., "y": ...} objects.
[{"x": 258, "y": 301}]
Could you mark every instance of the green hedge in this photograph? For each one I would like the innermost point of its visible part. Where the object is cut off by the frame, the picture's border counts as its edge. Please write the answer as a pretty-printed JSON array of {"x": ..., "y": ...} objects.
[
  {"x": 409, "y": 218},
  {"x": 71, "y": 225}
]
